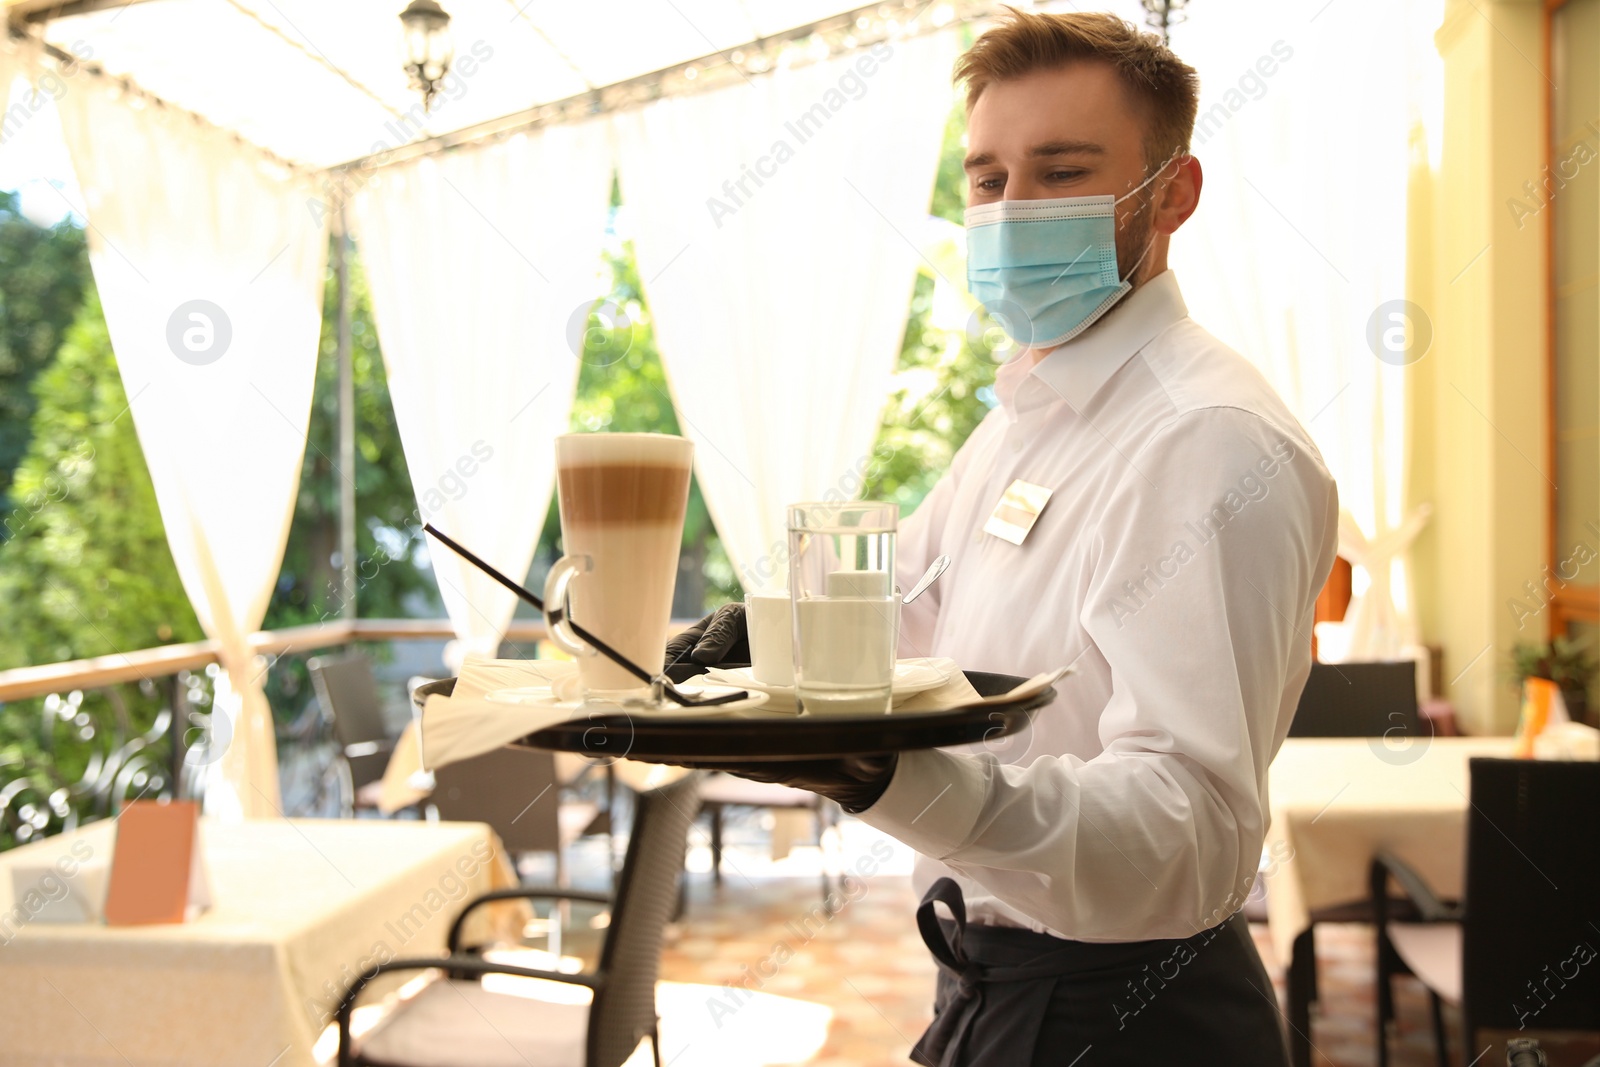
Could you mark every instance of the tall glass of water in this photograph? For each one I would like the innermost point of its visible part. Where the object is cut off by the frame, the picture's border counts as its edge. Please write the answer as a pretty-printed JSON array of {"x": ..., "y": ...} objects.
[{"x": 846, "y": 610}]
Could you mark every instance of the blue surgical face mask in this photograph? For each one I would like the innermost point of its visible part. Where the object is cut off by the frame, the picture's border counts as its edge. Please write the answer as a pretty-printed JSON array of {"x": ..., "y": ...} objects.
[{"x": 1047, "y": 269}]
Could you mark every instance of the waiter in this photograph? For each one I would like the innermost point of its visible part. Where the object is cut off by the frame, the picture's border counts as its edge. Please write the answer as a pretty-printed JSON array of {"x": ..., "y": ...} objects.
[{"x": 1168, "y": 525}]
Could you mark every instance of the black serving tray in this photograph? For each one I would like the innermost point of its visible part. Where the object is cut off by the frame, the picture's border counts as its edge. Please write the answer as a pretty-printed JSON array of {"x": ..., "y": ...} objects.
[{"x": 701, "y": 740}]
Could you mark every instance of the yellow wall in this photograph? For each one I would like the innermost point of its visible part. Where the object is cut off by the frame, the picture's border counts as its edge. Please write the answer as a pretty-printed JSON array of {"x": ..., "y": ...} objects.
[{"x": 1479, "y": 401}]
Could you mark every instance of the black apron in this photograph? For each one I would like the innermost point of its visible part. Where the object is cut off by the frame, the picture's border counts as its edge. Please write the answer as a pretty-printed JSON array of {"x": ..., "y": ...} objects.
[{"x": 1011, "y": 997}]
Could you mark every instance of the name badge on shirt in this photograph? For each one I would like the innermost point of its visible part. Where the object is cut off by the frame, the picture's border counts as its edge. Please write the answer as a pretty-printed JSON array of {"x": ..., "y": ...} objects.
[{"x": 1017, "y": 511}]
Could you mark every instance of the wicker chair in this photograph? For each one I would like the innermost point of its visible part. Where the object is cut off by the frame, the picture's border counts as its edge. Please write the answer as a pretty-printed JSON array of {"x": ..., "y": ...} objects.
[
  {"x": 456, "y": 1021},
  {"x": 515, "y": 791}
]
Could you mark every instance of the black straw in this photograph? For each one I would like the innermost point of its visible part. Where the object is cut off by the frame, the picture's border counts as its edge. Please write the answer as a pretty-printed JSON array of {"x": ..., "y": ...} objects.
[{"x": 524, "y": 594}]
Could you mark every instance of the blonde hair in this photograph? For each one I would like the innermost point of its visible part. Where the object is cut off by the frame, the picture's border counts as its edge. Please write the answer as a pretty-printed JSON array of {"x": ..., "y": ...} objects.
[{"x": 1160, "y": 84}]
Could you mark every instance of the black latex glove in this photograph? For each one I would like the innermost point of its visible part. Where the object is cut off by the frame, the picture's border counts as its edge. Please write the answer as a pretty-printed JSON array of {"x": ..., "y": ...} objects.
[
  {"x": 719, "y": 638},
  {"x": 855, "y": 782}
]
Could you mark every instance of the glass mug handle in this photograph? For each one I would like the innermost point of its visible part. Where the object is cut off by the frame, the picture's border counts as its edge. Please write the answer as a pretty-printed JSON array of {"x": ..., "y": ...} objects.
[{"x": 558, "y": 605}]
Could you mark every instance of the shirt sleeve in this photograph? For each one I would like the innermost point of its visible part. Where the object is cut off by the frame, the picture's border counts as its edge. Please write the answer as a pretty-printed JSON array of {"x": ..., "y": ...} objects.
[{"x": 1208, "y": 559}]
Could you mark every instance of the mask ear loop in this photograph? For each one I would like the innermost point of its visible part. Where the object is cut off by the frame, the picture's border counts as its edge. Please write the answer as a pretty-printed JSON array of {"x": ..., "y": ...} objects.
[
  {"x": 1137, "y": 188},
  {"x": 1158, "y": 172}
]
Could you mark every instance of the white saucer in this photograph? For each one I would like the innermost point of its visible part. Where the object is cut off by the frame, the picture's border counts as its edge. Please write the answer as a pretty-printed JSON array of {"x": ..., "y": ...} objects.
[
  {"x": 529, "y": 696},
  {"x": 543, "y": 696},
  {"x": 911, "y": 676}
]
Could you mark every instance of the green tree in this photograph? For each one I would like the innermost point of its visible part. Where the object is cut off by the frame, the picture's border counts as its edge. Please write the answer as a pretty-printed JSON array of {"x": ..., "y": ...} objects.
[
  {"x": 46, "y": 272},
  {"x": 938, "y": 399},
  {"x": 950, "y": 184}
]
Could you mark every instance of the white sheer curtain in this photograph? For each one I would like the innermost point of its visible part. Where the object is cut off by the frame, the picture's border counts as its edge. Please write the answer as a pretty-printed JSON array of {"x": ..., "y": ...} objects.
[
  {"x": 478, "y": 261},
  {"x": 210, "y": 270},
  {"x": 1301, "y": 237},
  {"x": 774, "y": 224},
  {"x": 11, "y": 68}
]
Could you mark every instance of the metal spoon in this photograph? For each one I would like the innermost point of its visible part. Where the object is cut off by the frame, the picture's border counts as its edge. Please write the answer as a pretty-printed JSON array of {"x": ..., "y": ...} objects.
[{"x": 931, "y": 575}]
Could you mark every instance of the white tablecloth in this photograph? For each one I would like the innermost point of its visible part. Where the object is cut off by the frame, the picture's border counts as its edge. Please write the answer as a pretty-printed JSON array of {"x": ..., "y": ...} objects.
[
  {"x": 1337, "y": 801},
  {"x": 300, "y": 908}
]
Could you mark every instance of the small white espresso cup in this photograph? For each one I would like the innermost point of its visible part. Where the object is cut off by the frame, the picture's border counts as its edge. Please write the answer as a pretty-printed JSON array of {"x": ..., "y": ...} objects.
[{"x": 771, "y": 627}]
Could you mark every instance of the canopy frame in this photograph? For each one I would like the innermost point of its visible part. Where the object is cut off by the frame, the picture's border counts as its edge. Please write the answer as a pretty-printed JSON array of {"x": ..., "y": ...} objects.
[
  {"x": 27, "y": 20},
  {"x": 39, "y": 12}
]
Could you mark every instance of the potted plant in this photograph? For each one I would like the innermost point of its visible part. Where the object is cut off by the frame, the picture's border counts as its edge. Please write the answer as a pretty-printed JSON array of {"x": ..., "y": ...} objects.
[{"x": 1564, "y": 662}]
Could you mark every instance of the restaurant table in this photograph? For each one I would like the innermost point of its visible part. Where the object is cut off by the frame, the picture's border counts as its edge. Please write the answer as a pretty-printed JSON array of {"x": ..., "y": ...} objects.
[
  {"x": 300, "y": 907},
  {"x": 1337, "y": 801}
]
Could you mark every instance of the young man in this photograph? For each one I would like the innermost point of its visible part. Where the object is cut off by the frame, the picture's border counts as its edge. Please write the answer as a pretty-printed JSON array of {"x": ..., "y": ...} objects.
[{"x": 1094, "y": 874}]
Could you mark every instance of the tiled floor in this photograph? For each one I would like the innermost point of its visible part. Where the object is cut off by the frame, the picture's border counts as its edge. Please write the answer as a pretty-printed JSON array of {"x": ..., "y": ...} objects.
[{"x": 866, "y": 963}]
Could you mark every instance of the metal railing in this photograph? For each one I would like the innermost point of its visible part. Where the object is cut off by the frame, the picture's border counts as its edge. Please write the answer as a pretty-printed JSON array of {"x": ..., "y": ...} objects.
[
  {"x": 150, "y": 663},
  {"x": 111, "y": 729}
]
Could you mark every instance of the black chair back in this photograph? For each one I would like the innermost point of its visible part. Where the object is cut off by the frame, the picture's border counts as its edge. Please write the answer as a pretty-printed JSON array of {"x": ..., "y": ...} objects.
[
  {"x": 349, "y": 694},
  {"x": 624, "y": 1008},
  {"x": 512, "y": 789},
  {"x": 349, "y": 697},
  {"x": 1531, "y": 932},
  {"x": 1359, "y": 700}
]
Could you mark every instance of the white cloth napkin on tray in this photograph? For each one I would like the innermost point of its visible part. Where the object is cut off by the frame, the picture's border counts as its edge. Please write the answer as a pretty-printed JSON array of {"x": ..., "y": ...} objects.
[
  {"x": 464, "y": 724},
  {"x": 467, "y": 724}
]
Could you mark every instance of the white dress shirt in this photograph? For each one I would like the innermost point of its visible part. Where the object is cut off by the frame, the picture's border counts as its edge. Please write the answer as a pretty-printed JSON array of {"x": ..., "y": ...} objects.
[{"x": 1192, "y": 525}]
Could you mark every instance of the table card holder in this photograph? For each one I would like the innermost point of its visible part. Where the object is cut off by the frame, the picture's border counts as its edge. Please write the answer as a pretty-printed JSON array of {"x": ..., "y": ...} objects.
[{"x": 157, "y": 873}]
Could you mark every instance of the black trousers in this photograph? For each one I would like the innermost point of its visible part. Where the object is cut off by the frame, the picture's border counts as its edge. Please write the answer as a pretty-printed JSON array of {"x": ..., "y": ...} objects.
[{"x": 1012, "y": 997}]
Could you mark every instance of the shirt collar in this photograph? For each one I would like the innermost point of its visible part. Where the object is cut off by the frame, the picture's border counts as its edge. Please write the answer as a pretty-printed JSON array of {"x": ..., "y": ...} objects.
[{"x": 1079, "y": 369}]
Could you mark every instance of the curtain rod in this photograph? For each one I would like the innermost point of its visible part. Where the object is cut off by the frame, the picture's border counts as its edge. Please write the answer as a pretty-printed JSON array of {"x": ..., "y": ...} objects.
[
  {"x": 41, "y": 11},
  {"x": 704, "y": 73}
]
